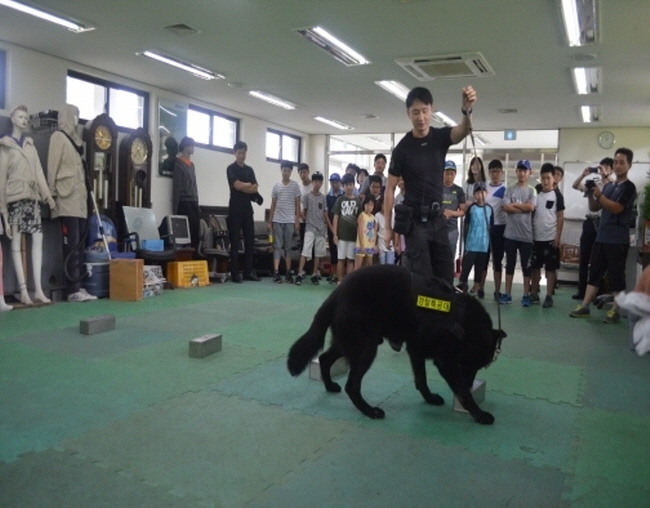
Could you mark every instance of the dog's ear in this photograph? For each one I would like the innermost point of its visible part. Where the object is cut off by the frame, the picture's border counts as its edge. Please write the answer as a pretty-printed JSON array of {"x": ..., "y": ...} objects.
[{"x": 499, "y": 335}]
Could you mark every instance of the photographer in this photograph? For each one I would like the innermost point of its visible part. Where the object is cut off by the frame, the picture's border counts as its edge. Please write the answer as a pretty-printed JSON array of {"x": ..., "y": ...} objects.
[
  {"x": 590, "y": 224},
  {"x": 616, "y": 200}
]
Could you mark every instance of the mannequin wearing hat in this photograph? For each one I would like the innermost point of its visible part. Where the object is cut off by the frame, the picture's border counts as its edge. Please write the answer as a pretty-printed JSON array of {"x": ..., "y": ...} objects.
[
  {"x": 22, "y": 187},
  {"x": 67, "y": 183}
]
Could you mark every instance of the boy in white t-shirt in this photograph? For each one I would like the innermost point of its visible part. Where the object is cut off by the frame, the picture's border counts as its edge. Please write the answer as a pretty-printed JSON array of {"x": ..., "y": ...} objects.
[{"x": 548, "y": 221}]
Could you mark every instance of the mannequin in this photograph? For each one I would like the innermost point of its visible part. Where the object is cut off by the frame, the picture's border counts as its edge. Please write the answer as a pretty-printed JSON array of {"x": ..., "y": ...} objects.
[
  {"x": 3, "y": 305},
  {"x": 185, "y": 196},
  {"x": 22, "y": 186},
  {"x": 67, "y": 184}
]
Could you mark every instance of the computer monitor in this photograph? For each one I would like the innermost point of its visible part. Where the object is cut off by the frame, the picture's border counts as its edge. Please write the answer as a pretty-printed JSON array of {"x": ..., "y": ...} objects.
[{"x": 179, "y": 227}]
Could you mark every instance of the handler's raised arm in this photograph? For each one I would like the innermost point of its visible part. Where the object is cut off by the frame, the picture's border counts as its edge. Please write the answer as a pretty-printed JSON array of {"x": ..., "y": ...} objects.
[{"x": 459, "y": 132}]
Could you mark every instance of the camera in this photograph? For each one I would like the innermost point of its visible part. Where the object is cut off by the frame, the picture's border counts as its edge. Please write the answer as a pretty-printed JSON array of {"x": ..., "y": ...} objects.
[
  {"x": 590, "y": 185},
  {"x": 593, "y": 170}
]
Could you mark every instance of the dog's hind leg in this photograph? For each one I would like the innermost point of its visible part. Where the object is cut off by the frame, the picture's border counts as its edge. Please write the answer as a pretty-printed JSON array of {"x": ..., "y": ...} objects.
[
  {"x": 360, "y": 362},
  {"x": 457, "y": 381},
  {"x": 420, "y": 375},
  {"x": 326, "y": 360}
]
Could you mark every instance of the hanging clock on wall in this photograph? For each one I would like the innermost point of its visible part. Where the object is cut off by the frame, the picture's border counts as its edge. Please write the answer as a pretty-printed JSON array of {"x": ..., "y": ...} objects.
[
  {"x": 606, "y": 140},
  {"x": 135, "y": 169},
  {"x": 101, "y": 159}
]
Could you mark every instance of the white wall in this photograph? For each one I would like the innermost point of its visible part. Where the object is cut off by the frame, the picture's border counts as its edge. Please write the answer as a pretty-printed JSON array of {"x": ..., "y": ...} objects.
[
  {"x": 582, "y": 145},
  {"x": 38, "y": 81}
]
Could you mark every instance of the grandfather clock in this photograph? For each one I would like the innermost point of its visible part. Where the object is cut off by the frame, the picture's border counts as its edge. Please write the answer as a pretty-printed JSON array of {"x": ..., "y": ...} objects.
[
  {"x": 135, "y": 170},
  {"x": 101, "y": 159}
]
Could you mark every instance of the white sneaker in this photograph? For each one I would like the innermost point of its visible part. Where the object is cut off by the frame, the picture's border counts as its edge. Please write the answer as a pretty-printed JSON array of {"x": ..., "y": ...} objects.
[
  {"x": 78, "y": 297},
  {"x": 87, "y": 294}
]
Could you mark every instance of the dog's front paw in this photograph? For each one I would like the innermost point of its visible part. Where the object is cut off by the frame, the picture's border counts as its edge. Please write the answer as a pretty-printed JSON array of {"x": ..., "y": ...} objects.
[
  {"x": 484, "y": 418},
  {"x": 333, "y": 387},
  {"x": 434, "y": 399},
  {"x": 376, "y": 413}
]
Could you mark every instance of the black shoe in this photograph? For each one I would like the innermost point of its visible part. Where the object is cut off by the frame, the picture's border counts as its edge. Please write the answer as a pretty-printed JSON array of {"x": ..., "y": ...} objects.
[
  {"x": 578, "y": 296},
  {"x": 236, "y": 278},
  {"x": 252, "y": 276}
]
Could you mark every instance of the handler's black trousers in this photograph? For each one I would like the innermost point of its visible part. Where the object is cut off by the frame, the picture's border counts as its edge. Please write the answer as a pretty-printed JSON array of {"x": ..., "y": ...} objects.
[{"x": 427, "y": 250}]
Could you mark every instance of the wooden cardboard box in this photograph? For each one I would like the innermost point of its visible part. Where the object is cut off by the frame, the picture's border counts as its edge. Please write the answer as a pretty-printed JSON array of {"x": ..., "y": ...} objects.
[{"x": 126, "y": 279}]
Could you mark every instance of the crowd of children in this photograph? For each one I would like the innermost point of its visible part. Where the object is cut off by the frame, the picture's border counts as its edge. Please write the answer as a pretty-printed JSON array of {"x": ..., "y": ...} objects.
[
  {"x": 350, "y": 218},
  {"x": 518, "y": 221}
]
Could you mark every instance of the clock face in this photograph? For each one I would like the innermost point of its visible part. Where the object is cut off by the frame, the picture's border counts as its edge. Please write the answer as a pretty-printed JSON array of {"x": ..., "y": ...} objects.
[
  {"x": 606, "y": 140},
  {"x": 139, "y": 152},
  {"x": 103, "y": 137}
]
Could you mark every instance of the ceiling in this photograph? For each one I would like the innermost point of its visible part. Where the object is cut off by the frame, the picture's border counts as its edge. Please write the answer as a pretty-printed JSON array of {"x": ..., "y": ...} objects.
[{"x": 253, "y": 44}]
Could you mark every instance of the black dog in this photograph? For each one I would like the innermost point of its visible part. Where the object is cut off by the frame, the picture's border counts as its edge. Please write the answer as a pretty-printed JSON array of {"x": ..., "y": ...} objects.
[{"x": 433, "y": 320}]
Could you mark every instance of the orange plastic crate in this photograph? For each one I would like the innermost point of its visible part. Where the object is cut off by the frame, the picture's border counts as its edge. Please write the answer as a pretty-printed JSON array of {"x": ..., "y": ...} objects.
[{"x": 187, "y": 274}]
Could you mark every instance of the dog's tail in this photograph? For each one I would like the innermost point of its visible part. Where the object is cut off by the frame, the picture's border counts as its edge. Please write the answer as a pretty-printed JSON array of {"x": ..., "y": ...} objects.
[{"x": 306, "y": 347}]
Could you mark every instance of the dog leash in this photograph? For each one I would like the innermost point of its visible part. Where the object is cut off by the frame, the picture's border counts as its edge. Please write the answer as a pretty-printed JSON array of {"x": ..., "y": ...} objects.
[{"x": 471, "y": 135}]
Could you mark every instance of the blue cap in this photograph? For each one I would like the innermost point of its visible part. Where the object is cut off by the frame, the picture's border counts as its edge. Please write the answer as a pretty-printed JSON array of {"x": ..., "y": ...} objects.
[
  {"x": 335, "y": 177},
  {"x": 524, "y": 164},
  {"x": 450, "y": 165}
]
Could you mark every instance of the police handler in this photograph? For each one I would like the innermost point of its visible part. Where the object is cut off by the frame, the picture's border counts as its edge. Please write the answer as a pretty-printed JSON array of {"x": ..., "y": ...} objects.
[{"x": 419, "y": 159}]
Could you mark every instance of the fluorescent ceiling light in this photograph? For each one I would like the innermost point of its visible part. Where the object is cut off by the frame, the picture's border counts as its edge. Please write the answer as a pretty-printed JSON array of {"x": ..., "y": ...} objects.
[
  {"x": 395, "y": 87},
  {"x": 70, "y": 25},
  {"x": 335, "y": 47},
  {"x": 590, "y": 113},
  {"x": 271, "y": 99},
  {"x": 199, "y": 72},
  {"x": 580, "y": 21},
  {"x": 587, "y": 80},
  {"x": 440, "y": 117},
  {"x": 334, "y": 123}
]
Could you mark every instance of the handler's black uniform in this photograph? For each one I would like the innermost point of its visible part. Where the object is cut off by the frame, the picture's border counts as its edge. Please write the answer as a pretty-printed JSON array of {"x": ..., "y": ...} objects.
[{"x": 420, "y": 162}]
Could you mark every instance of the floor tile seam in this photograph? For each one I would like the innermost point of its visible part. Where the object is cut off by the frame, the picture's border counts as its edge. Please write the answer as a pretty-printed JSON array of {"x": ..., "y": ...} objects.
[
  {"x": 260, "y": 496},
  {"x": 545, "y": 399},
  {"x": 128, "y": 474}
]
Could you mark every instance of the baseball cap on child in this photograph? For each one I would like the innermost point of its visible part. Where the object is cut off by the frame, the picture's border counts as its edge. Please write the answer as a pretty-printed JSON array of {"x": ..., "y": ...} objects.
[
  {"x": 450, "y": 165},
  {"x": 347, "y": 178},
  {"x": 335, "y": 177},
  {"x": 479, "y": 187},
  {"x": 523, "y": 164}
]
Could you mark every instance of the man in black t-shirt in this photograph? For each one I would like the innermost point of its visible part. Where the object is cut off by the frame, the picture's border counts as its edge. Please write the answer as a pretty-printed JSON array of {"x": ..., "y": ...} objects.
[
  {"x": 419, "y": 159},
  {"x": 609, "y": 255},
  {"x": 243, "y": 190}
]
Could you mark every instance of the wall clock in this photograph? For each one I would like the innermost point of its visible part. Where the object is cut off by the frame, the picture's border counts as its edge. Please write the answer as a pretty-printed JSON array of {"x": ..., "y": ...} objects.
[{"x": 606, "y": 140}]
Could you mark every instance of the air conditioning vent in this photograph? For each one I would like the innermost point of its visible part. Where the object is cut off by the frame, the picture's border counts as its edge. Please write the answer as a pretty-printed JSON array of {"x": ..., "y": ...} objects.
[
  {"x": 182, "y": 29},
  {"x": 427, "y": 68}
]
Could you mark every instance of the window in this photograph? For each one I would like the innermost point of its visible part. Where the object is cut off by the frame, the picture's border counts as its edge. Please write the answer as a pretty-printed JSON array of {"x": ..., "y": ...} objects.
[
  {"x": 282, "y": 146},
  {"x": 212, "y": 130},
  {"x": 127, "y": 107}
]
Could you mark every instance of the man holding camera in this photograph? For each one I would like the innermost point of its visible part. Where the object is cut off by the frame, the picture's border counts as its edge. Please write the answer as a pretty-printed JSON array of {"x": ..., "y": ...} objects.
[
  {"x": 616, "y": 200},
  {"x": 590, "y": 224}
]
